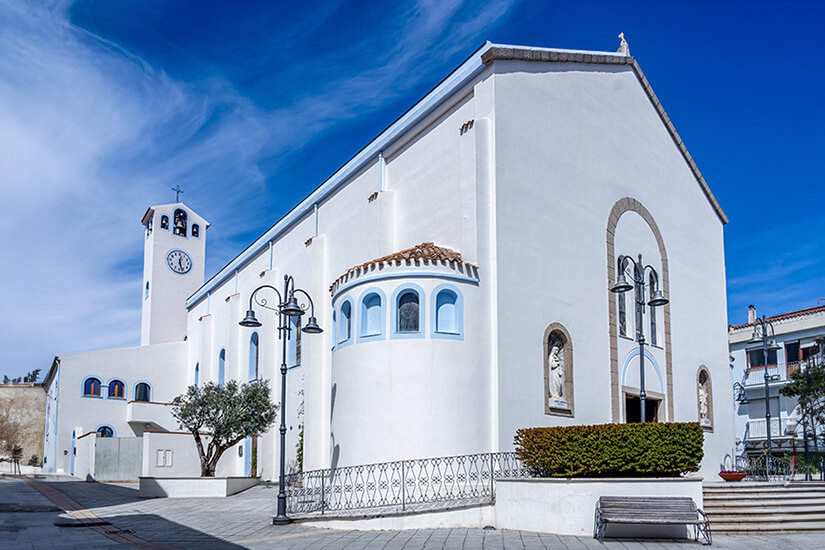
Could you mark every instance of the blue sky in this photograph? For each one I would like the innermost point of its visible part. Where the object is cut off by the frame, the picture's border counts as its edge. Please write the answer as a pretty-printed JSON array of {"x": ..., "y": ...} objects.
[{"x": 106, "y": 105}]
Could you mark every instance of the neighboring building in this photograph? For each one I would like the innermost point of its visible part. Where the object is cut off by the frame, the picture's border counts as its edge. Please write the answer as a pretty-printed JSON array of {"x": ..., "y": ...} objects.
[
  {"x": 22, "y": 417},
  {"x": 460, "y": 266},
  {"x": 800, "y": 336}
]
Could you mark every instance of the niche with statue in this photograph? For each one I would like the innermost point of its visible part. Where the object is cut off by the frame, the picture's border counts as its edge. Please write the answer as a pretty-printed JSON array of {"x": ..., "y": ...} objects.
[{"x": 558, "y": 371}]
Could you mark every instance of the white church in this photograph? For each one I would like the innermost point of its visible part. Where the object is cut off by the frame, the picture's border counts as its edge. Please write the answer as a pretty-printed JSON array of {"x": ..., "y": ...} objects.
[{"x": 460, "y": 265}]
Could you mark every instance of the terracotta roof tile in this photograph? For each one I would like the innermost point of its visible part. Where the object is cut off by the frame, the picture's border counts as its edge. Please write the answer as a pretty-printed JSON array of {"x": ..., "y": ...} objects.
[
  {"x": 783, "y": 316},
  {"x": 424, "y": 252}
]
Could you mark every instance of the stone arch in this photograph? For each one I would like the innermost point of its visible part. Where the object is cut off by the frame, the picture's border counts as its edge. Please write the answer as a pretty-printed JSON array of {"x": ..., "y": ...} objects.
[
  {"x": 703, "y": 380},
  {"x": 622, "y": 206},
  {"x": 558, "y": 331}
]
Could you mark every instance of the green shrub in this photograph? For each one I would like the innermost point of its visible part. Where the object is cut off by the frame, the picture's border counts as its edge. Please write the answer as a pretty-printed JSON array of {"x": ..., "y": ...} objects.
[{"x": 611, "y": 450}]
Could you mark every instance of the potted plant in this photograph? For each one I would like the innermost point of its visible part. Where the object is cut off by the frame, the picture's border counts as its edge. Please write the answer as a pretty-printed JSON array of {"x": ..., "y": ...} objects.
[{"x": 732, "y": 475}]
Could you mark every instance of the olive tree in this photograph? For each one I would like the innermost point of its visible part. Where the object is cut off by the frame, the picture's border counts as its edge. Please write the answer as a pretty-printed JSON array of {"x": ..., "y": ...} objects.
[{"x": 224, "y": 415}]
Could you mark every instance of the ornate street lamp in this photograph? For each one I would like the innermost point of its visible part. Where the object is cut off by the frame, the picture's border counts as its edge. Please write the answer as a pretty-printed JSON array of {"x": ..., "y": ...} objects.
[
  {"x": 657, "y": 299},
  {"x": 286, "y": 307},
  {"x": 763, "y": 334}
]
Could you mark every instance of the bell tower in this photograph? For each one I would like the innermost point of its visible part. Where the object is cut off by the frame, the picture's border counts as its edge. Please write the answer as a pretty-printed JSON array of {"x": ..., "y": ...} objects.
[{"x": 173, "y": 266}]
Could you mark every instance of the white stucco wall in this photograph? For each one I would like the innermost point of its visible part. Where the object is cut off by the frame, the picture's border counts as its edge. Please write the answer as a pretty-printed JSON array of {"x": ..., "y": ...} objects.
[
  {"x": 571, "y": 140},
  {"x": 162, "y": 366}
]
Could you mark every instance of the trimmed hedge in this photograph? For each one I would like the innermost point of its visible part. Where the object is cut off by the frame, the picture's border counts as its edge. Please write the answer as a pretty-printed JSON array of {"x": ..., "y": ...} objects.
[{"x": 611, "y": 450}]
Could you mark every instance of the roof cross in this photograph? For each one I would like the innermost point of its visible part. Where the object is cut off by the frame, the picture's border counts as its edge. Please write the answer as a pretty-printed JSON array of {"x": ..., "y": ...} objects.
[{"x": 177, "y": 191}]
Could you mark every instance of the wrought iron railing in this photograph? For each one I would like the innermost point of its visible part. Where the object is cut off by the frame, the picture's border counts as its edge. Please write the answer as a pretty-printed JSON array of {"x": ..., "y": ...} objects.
[
  {"x": 764, "y": 467},
  {"x": 401, "y": 483}
]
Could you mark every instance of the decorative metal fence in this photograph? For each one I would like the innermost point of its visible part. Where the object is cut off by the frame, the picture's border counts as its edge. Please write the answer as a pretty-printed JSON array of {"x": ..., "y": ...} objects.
[
  {"x": 402, "y": 483},
  {"x": 764, "y": 467}
]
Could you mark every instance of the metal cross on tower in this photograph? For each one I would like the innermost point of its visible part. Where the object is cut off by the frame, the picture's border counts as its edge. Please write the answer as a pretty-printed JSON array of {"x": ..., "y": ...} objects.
[{"x": 177, "y": 191}]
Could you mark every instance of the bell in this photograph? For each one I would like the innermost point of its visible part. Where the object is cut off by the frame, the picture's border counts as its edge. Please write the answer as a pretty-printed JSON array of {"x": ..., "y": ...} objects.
[
  {"x": 658, "y": 299},
  {"x": 312, "y": 326},
  {"x": 291, "y": 308},
  {"x": 621, "y": 284},
  {"x": 250, "y": 320}
]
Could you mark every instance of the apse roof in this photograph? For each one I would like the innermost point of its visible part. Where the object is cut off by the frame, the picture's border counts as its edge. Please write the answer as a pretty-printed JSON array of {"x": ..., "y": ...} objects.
[{"x": 424, "y": 252}]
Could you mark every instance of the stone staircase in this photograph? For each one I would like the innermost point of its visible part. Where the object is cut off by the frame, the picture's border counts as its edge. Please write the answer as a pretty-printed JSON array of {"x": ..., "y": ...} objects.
[{"x": 759, "y": 507}]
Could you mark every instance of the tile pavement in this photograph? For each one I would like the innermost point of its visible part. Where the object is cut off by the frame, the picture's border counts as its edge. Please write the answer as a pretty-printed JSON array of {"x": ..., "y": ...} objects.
[{"x": 243, "y": 521}]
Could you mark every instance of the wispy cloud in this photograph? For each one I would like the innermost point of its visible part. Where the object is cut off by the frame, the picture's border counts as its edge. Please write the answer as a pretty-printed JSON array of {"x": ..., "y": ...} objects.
[{"x": 91, "y": 132}]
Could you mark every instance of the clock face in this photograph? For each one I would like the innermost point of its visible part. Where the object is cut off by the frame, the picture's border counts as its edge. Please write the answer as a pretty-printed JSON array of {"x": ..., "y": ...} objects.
[{"x": 179, "y": 261}]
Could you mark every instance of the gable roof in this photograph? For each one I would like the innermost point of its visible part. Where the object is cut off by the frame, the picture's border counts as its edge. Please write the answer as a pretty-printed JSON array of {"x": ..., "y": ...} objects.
[
  {"x": 424, "y": 252},
  {"x": 783, "y": 316},
  {"x": 478, "y": 61}
]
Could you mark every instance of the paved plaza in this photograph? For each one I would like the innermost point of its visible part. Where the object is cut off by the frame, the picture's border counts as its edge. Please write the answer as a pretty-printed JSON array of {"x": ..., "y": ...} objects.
[{"x": 112, "y": 515}]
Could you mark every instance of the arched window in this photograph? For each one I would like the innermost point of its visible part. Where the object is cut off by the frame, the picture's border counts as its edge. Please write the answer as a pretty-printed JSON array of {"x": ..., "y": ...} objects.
[
  {"x": 180, "y": 223},
  {"x": 372, "y": 315},
  {"x": 447, "y": 312},
  {"x": 146, "y": 292},
  {"x": 197, "y": 373},
  {"x": 222, "y": 367},
  {"x": 293, "y": 346},
  {"x": 622, "y": 314},
  {"x": 704, "y": 398},
  {"x": 91, "y": 387},
  {"x": 652, "y": 309},
  {"x": 105, "y": 431},
  {"x": 116, "y": 390},
  {"x": 143, "y": 392},
  {"x": 345, "y": 323},
  {"x": 253, "y": 356},
  {"x": 409, "y": 312},
  {"x": 164, "y": 222},
  {"x": 196, "y": 230}
]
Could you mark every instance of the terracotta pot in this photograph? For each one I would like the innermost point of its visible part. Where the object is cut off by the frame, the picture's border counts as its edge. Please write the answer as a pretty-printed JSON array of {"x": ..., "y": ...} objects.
[{"x": 732, "y": 476}]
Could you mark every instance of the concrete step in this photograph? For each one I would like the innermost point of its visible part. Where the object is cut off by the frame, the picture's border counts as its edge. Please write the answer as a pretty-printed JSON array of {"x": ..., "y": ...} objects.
[
  {"x": 782, "y": 516},
  {"x": 773, "y": 501},
  {"x": 750, "y": 510},
  {"x": 756, "y": 487},
  {"x": 737, "y": 529}
]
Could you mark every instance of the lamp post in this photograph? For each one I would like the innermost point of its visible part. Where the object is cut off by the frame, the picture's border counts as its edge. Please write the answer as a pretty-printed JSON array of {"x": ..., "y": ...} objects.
[
  {"x": 286, "y": 307},
  {"x": 763, "y": 334},
  {"x": 657, "y": 298}
]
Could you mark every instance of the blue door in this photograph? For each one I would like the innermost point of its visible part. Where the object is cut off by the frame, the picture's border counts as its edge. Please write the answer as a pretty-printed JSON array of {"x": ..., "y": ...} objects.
[
  {"x": 71, "y": 467},
  {"x": 247, "y": 457}
]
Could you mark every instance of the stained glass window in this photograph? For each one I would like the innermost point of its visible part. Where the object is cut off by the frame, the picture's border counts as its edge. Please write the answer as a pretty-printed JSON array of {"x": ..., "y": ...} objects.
[{"x": 408, "y": 312}]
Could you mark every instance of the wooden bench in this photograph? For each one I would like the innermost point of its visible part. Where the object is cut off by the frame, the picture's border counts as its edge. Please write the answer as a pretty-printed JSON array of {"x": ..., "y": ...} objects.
[{"x": 651, "y": 511}]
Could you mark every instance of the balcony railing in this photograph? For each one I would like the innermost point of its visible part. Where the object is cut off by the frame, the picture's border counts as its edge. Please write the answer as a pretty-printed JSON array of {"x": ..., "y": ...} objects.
[{"x": 756, "y": 428}]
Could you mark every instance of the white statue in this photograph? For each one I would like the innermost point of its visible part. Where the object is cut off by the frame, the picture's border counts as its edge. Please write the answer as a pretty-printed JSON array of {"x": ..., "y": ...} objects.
[
  {"x": 703, "y": 403},
  {"x": 624, "y": 47},
  {"x": 556, "y": 373}
]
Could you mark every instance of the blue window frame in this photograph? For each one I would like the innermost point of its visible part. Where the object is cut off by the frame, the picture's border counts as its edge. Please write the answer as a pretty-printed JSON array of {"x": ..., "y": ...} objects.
[
  {"x": 197, "y": 373},
  {"x": 371, "y": 315},
  {"x": 146, "y": 293},
  {"x": 117, "y": 389},
  {"x": 253, "y": 356},
  {"x": 143, "y": 392},
  {"x": 222, "y": 367},
  {"x": 105, "y": 431},
  {"x": 447, "y": 313},
  {"x": 345, "y": 323},
  {"x": 91, "y": 387},
  {"x": 407, "y": 311}
]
